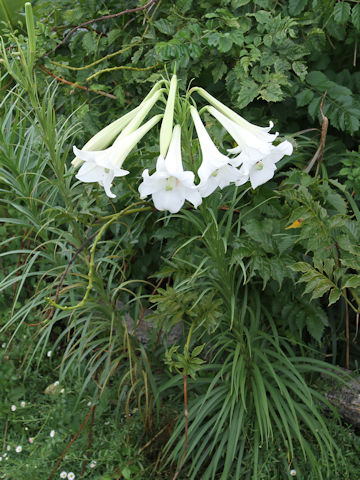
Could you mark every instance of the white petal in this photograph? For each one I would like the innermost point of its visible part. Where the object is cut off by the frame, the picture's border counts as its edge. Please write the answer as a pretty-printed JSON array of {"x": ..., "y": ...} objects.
[
  {"x": 173, "y": 162},
  {"x": 193, "y": 196},
  {"x": 171, "y": 200},
  {"x": 258, "y": 177},
  {"x": 152, "y": 184},
  {"x": 106, "y": 183},
  {"x": 89, "y": 172}
]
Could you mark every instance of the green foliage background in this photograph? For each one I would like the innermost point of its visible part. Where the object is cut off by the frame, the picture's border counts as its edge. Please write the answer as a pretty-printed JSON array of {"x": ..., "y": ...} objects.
[{"x": 255, "y": 301}]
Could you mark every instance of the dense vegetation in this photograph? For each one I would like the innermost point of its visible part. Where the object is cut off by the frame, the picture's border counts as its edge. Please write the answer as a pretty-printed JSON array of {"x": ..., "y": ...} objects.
[{"x": 116, "y": 317}]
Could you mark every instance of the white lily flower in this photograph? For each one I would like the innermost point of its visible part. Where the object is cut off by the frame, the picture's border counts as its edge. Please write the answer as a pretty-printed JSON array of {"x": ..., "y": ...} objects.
[
  {"x": 106, "y": 136},
  {"x": 170, "y": 185},
  {"x": 167, "y": 123},
  {"x": 104, "y": 165},
  {"x": 260, "y": 132},
  {"x": 250, "y": 146},
  {"x": 214, "y": 170},
  {"x": 263, "y": 170}
]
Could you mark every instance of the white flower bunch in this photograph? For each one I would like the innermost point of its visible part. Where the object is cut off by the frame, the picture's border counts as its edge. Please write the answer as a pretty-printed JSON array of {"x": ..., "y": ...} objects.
[{"x": 253, "y": 159}]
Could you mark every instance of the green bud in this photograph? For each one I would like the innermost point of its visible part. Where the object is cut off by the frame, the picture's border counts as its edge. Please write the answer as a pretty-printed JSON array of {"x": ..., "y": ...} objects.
[{"x": 167, "y": 123}]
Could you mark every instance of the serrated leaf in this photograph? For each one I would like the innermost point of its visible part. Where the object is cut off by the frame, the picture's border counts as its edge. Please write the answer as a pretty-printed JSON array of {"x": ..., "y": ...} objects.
[
  {"x": 225, "y": 43},
  {"x": 166, "y": 27},
  {"x": 341, "y": 12},
  {"x": 297, "y": 6},
  {"x": 319, "y": 80},
  {"x": 352, "y": 282},
  {"x": 317, "y": 287},
  {"x": 315, "y": 327},
  {"x": 239, "y": 3},
  {"x": 300, "y": 69},
  {"x": 304, "y": 97},
  {"x": 89, "y": 42},
  {"x": 355, "y": 16},
  {"x": 334, "y": 296},
  {"x": 248, "y": 92},
  {"x": 219, "y": 71},
  {"x": 213, "y": 39},
  {"x": 272, "y": 93}
]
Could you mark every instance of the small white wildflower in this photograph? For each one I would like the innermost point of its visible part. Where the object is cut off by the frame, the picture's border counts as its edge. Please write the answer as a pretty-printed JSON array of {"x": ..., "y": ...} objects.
[
  {"x": 89, "y": 404},
  {"x": 71, "y": 476},
  {"x": 63, "y": 475},
  {"x": 31, "y": 439},
  {"x": 293, "y": 473},
  {"x": 52, "y": 433},
  {"x": 22, "y": 404},
  {"x": 18, "y": 449},
  {"x": 49, "y": 353},
  {"x": 56, "y": 383},
  {"x": 62, "y": 390},
  {"x": 13, "y": 408},
  {"x": 8, "y": 448},
  {"x": 93, "y": 464},
  {"x": 3, "y": 345},
  {"x": 4, "y": 455}
]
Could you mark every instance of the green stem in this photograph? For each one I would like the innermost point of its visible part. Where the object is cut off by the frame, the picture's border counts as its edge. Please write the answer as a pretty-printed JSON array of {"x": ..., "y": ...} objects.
[{"x": 127, "y": 211}]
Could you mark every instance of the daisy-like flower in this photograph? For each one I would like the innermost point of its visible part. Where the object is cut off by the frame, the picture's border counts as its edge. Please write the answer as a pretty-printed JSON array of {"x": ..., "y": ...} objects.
[
  {"x": 63, "y": 474},
  {"x": 13, "y": 408},
  {"x": 18, "y": 449},
  {"x": 71, "y": 476},
  {"x": 293, "y": 473},
  {"x": 22, "y": 404},
  {"x": 215, "y": 170},
  {"x": 170, "y": 185},
  {"x": 104, "y": 165},
  {"x": 52, "y": 433},
  {"x": 49, "y": 353}
]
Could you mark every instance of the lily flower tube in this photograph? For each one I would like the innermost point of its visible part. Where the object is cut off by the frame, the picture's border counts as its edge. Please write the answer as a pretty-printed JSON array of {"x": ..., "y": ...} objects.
[
  {"x": 170, "y": 185},
  {"x": 103, "y": 166},
  {"x": 260, "y": 132}
]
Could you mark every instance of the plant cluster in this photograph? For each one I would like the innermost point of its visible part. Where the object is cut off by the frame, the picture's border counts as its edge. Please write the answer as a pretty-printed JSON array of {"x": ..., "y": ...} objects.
[{"x": 213, "y": 324}]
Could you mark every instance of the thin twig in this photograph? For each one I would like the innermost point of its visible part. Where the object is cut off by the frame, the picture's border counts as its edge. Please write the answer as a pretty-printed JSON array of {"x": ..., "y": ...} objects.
[
  {"x": 105, "y": 17},
  {"x": 71, "y": 442},
  {"x": 318, "y": 157},
  {"x": 357, "y": 328},
  {"x": 186, "y": 415},
  {"x": 67, "y": 82}
]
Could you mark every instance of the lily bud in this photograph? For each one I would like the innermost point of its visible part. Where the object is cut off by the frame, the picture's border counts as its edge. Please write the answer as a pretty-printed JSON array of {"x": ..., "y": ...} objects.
[{"x": 166, "y": 129}]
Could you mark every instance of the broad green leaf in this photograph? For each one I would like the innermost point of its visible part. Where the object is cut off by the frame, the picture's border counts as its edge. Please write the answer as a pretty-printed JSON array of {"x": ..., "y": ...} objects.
[
  {"x": 341, "y": 12},
  {"x": 304, "y": 97},
  {"x": 297, "y": 6},
  {"x": 165, "y": 26},
  {"x": 315, "y": 327},
  {"x": 225, "y": 43},
  {"x": 355, "y": 16}
]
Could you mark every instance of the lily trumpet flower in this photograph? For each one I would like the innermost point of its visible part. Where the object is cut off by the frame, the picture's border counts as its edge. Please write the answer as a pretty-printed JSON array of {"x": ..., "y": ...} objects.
[
  {"x": 250, "y": 146},
  {"x": 103, "y": 166},
  {"x": 107, "y": 135},
  {"x": 214, "y": 170},
  {"x": 260, "y": 132},
  {"x": 263, "y": 170},
  {"x": 170, "y": 185}
]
